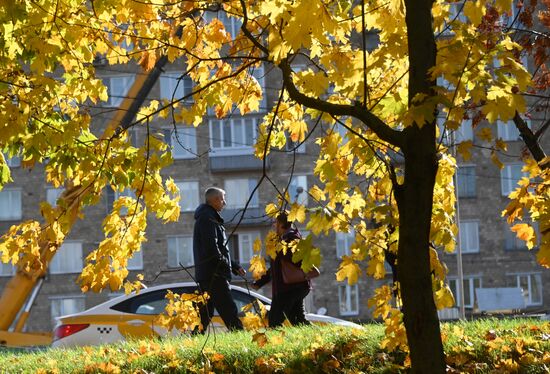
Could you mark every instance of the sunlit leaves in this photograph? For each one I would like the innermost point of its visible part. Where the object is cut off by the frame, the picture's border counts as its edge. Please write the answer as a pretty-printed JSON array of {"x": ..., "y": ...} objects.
[
  {"x": 257, "y": 266},
  {"x": 182, "y": 311},
  {"x": 530, "y": 203},
  {"x": 255, "y": 318},
  {"x": 107, "y": 265},
  {"x": 349, "y": 270}
]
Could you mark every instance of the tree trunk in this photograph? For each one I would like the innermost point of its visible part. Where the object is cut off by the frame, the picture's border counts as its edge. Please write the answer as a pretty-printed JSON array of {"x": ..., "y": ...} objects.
[{"x": 415, "y": 200}]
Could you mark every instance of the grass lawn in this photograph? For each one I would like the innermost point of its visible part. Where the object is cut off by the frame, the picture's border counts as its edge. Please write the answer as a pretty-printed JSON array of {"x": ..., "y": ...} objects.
[{"x": 482, "y": 346}]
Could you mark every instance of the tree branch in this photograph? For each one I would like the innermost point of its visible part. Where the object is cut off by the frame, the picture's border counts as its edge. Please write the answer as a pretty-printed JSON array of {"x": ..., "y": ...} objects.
[{"x": 382, "y": 130}]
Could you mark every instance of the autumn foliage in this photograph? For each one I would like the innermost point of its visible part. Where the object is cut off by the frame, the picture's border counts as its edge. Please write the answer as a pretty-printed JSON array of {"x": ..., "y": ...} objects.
[{"x": 48, "y": 85}]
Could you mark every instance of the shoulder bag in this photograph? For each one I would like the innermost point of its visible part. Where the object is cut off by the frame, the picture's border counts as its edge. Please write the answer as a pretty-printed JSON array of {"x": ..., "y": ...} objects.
[{"x": 292, "y": 273}]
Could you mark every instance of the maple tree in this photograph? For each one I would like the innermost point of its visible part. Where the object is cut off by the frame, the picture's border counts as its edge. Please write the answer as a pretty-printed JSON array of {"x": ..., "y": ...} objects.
[{"x": 384, "y": 96}]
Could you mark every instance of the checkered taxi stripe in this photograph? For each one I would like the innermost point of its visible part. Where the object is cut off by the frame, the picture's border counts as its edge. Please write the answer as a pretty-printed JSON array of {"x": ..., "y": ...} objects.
[{"x": 104, "y": 330}]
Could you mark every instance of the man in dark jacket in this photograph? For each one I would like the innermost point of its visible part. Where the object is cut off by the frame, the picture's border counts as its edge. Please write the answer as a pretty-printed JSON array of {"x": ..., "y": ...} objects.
[{"x": 213, "y": 264}]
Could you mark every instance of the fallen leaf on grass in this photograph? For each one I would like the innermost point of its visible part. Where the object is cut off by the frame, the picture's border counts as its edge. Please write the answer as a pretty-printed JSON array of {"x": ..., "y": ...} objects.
[{"x": 260, "y": 338}]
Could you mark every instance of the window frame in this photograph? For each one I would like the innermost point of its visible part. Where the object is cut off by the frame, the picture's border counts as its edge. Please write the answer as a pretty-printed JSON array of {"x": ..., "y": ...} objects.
[
  {"x": 61, "y": 298},
  {"x": 139, "y": 265},
  {"x": 348, "y": 238},
  {"x": 471, "y": 279},
  {"x": 468, "y": 190},
  {"x": 528, "y": 296},
  {"x": 352, "y": 305},
  {"x": 181, "y": 148},
  {"x": 233, "y": 146},
  {"x": 4, "y": 266},
  {"x": 507, "y": 183},
  {"x": 251, "y": 184},
  {"x": 467, "y": 250},
  {"x": 298, "y": 180},
  {"x": 176, "y": 81},
  {"x": 508, "y": 132},
  {"x": 56, "y": 192},
  {"x": 62, "y": 249},
  {"x": 177, "y": 238},
  {"x": 15, "y": 205},
  {"x": 108, "y": 82},
  {"x": 196, "y": 199}
]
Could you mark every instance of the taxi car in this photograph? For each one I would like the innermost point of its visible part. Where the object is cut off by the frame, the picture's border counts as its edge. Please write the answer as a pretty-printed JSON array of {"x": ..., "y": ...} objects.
[{"x": 134, "y": 315}]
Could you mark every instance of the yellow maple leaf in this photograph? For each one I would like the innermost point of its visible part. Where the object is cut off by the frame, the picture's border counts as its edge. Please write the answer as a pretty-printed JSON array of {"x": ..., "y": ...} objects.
[
  {"x": 260, "y": 338},
  {"x": 496, "y": 160},
  {"x": 526, "y": 233},
  {"x": 257, "y": 246},
  {"x": 298, "y": 130},
  {"x": 443, "y": 297},
  {"x": 297, "y": 213},
  {"x": 257, "y": 267},
  {"x": 485, "y": 134},
  {"x": 464, "y": 149},
  {"x": 475, "y": 10},
  {"x": 348, "y": 269},
  {"x": 271, "y": 210},
  {"x": 317, "y": 193}
]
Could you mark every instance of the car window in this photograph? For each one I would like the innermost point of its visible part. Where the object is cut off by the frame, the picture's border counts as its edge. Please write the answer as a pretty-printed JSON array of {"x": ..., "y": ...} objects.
[{"x": 149, "y": 303}]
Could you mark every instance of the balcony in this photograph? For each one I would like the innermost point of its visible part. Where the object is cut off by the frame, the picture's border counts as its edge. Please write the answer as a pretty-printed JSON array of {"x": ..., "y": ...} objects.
[
  {"x": 236, "y": 163},
  {"x": 252, "y": 217}
]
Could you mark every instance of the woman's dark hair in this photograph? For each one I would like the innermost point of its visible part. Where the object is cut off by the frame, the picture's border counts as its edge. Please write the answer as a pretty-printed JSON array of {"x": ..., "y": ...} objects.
[{"x": 282, "y": 218}]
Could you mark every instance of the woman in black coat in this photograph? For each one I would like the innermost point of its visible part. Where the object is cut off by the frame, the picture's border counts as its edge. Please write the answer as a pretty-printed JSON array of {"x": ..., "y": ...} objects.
[{"x": 287, "y": 299}]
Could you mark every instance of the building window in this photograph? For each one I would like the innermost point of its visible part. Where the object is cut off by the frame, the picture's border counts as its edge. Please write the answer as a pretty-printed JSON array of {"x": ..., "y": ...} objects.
[
  {"x": 292, "y": 146},
  {"x": 241, "y": 245},
  {"x": 112, "y": 196},
  {"x": 6, "y": 270},
  {"x": 297, "y": 190},
  {"x": 233, "y": 135},
  {"x": 344, "y": 241},
  {"x": 511, "y": 241},
  {"x": 510, "y": 176},
  {"x": 180, "y": 251},
  {"x": 189, "y": 195},
  {"x": 462, "y": 134},
  {"x": 348, "y": 297},
  {"x": 471, "y": 283},
  {"x": 232, "y": 25},
  {"x": 508, "y": 131},
  {"x": 117, "y": 88},
  {"x": 10, "y": 204},
  {"x": 175, "y": 86},
  {"x": 52, "y": 195},
  {"x": 531, "y": 285},
  {"x": 68, "y": 258},
  {"x": 183, "y": 142},
  {"x": 133, "y": 136},
  {"x": 136, "y": 261},
  {"x": 466, "y": 181},
  {"x": 62, "y": 306},
  {"x": 469, "y": 236},
  {"x": 12, "y": 162},
  {"x": 238, "y": 192}
]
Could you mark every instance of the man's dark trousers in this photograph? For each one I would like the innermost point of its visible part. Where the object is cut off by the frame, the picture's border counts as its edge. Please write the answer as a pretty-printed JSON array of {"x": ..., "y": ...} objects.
[{"x": 221, "y": 299}]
